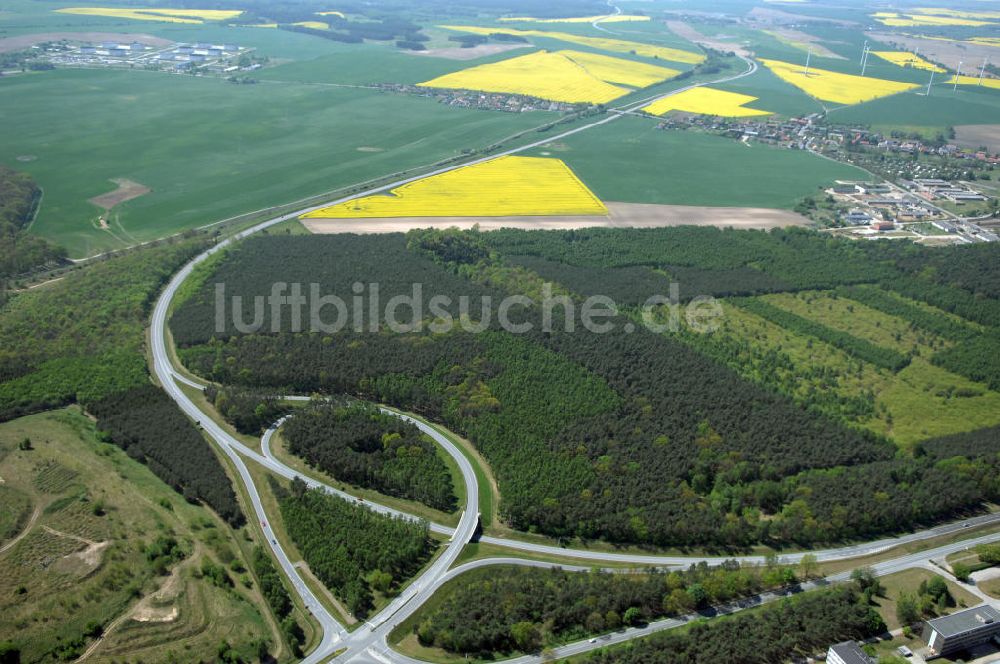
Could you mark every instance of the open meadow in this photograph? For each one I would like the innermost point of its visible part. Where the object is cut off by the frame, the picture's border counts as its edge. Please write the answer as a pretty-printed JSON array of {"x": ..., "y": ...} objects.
[{"x": 108, "y": 559}]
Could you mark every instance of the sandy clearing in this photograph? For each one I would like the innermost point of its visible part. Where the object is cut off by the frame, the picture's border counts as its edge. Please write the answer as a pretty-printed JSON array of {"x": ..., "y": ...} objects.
[
  {"x": 83, "y": 562},
  {"x": 974, "y": 136},
  {"x": 24, "y": 41},
  {"x": 622, "y": 215},
  {"x": 940, "y": 51},
  {"x": 151, "y": 614},
  {"x": 126, "y": 191},
  {"x": 459, "y": 53}
]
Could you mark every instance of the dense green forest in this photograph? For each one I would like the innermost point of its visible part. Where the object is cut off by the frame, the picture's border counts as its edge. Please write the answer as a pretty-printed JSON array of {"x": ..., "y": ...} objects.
[
  {"x": 249, "y": 411},
  {"x": 808, "y": 623},
  {"x": 718, "y": 262},
  {"x": 147, "y": 424},
  {"x": 276, "y": 594},
  {"x": 504, "y": 610},
  {"x": 626, "y": 436},
  {"x": 352, "y": 550},
  {"x": 81, "y": 338},
  {"x": 360, "y": 445},
  {"x": 21, "y": 252}
]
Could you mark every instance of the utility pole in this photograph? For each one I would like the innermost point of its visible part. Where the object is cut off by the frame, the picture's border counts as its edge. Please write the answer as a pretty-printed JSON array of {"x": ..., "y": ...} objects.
[{"x": 958, "y": 75}]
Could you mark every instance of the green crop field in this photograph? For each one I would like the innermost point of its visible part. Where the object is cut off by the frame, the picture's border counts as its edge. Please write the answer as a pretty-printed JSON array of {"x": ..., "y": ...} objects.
[
  {"x": 774, "y": 94},
  {"x": 945, "y": 107},
  {"x": 630, "y": 160},
  {"x": 209, "y": 149}
]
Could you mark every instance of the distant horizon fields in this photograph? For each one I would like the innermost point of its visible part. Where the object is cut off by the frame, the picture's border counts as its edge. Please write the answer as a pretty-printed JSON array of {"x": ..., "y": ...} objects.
[{"x": 209, "y": 150}]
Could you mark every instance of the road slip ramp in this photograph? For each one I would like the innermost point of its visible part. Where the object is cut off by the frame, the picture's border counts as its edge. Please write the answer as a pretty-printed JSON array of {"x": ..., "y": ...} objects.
[{"x": 503, "y": 187}]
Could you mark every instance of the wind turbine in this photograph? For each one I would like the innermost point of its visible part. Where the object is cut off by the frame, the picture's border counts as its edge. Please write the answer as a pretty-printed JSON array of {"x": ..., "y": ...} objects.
[
  {"x": 929, "y": 84},
  {"x": 864, "y": 61},
  {"x": 982, "y": 70},
  {"x": 958, "y": 75},
  {"x": 805, "y": 72},
  {"x": 864, "y": 51}
]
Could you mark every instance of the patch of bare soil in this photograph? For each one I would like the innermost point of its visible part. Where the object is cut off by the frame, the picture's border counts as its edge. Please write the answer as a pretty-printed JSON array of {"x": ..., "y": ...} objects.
[
  {"x": 26, "y": 41},
  {"x": 626, "y": 215},
  {"x": 459, "y": 53},
  {"x": 159, "y": 606},
  {"x": 83, "y": 562},
  {"x": 805, "y": 38},
  {"x": 975, "y": 136},
  {"x": 156, "y": 614},
  {"x": 126, "y": 191},
  {"x": 682, "y": 29},
  {"x": 779, "y": 17},
  {"x": 944, "y": 52}
]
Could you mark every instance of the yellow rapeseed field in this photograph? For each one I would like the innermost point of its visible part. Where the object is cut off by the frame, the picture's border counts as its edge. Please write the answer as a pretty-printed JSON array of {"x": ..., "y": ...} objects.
[
  {"x": 939, "y": 11},
  {"x": 706, "y": 101},
  {"x": 895, "y": 20},
  {"x": 618, "y": 70},
  {"x": 974, "y": 80},
  {"x": 506, "y": 186},
  {"x": 834, "y": 86},
  {"x": 567, "y": 76},
  {"x": 600, "y": 43},
  {"x": 907, "y": 59},
  {"x": 982, "y": 41},
  {"x": 315, "y": 25},
  {"x": 607, "y": 18},
  {"x": 154, "y": 14}
]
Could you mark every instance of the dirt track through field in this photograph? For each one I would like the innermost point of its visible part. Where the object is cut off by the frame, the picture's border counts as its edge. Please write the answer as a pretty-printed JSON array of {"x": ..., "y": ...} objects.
[
  {"x": 27, "y": 528},
  {"x": 622, "y": 215}
]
